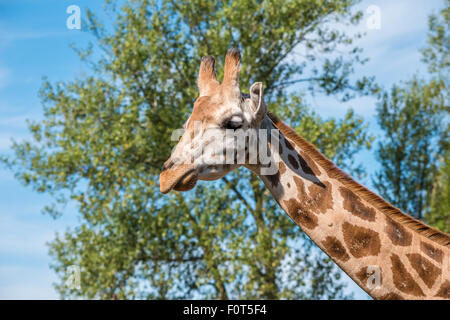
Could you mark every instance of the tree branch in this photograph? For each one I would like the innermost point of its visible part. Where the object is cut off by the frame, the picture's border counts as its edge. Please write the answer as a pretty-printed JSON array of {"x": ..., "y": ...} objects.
[{"x": 239, "y": 195}]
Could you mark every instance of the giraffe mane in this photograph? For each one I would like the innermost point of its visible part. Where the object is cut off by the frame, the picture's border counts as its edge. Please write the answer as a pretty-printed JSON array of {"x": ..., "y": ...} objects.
[{"x": 371, "y": 197}]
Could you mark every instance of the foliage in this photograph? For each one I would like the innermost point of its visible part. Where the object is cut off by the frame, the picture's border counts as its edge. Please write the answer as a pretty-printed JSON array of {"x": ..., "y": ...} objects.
[
  {"x": 437, "y": 52},
  {"x": 414, "y": 118},
  {"x": 439, "y": 214}
]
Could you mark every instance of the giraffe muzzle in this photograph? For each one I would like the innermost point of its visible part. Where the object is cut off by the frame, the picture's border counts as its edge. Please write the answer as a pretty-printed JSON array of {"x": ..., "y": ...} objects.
[{"x": 180, "y": 178}]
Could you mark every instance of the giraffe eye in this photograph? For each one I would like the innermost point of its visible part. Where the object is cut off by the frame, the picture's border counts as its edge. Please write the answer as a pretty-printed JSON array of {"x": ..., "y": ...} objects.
[{"x": 233, "y": 123}]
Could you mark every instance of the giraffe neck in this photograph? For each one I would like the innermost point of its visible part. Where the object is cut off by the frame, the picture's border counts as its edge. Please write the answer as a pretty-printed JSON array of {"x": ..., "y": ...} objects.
[{"x": 387, "y": 253}]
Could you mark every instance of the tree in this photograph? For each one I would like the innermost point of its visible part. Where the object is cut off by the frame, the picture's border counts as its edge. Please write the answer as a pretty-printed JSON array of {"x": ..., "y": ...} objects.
[
  {"x": 412, "y": 117},
  {"x": 105, "y": 137},
  {"x": 437, "y": 53},
  {"x": 437, "y": 56},
  {"x": 439, "y": 214}
]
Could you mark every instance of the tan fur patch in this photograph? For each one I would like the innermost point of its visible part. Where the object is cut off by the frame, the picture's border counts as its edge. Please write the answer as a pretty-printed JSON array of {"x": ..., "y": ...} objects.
[
  {"x": 323, "y": 197},
  {"x": 203, "y": 112},
  {"x": 335, "y": 249},
  {"x": 397, "y": 233},
  {"x": 434, "y": 253},
  {"x": 403, "y": 281},
  {"x": 303, "y": 217},
  {"x": 301, "y": 192},
  {"x": 281, "y": 168},
  {"x": 444, "y": 290},
  {"x": 353, "y": 204},
  {"x": 426, "y": 270},
  {"x": 360, "y": 241}
]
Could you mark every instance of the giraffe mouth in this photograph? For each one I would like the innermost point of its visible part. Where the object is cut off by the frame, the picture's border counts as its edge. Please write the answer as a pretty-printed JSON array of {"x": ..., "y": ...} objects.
[
  {"x": 182, "y": 178},
  {"x": 186, "y": 182},
  {"x": 185, "y": 177}
]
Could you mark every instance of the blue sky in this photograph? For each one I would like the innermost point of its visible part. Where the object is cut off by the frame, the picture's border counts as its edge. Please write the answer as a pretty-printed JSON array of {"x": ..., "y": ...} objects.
[{"x": 35, "y": 42}]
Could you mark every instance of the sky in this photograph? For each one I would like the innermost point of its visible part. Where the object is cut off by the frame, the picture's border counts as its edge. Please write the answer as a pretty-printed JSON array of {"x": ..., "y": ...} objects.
[{"x": 35, "y": 42}]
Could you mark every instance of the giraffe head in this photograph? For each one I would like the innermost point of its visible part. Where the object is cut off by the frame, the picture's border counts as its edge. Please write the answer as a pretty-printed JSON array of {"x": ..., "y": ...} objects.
[{"x": 203, "y": 148}]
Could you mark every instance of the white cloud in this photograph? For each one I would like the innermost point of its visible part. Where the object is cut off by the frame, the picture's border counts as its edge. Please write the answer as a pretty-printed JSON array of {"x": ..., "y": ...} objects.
[
  {"x": 403, "y": 26},
  {"x": 24, "y": 270},
  {"x": 24, "y": 232},
  {"x": 6, "y": 35},
  {"x": 24, "y": 260},
  {"x": 19, "y": 121},
  {"x": 15, "y": 128},
  {"x": 27, "y": 282},
  {"x": 393, "y": 50},
  {"x": 29, "y": 291},
  {"x": 400, "y": 17},
  {"x": 4, "y": 76},
  {"x": 23, "y": 236},
  {"x": 6, "y": 140}
]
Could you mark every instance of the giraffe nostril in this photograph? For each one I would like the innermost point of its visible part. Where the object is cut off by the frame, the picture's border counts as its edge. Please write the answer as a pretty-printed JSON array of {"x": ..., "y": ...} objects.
[
  {"x": 170, "y": 163},
  {"x": 167, "y": 165}
]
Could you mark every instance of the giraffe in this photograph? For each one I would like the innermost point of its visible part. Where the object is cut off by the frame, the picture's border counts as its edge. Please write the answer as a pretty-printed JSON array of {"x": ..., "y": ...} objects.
[{"x": 389, "y": 254}]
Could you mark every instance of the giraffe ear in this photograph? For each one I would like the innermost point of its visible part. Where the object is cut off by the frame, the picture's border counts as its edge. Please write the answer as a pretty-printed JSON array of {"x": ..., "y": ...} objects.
[{"x": 258, "y": 105}]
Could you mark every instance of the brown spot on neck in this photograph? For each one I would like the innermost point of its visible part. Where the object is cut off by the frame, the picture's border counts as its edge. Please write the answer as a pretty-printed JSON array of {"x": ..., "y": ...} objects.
[
  {"x": 322, "y": 198},
  {"x": 363, "y": 275},
  {"x": 434, "y": 253},
  {"x": 403, "y": 281},
  {"x": 310, "y": 163},
  {"x": 426, "y": 270},
  {"x": 274, "y": 179},
  {"x": 293, "y": 161},
  {"x": 444, "y": 290},
  {"x": 397, "y": 233},
  {"x": 354, "y": 205},
  {"x": 334, "y": 248},
  {"x": 360, "y": 241},
  {"x": 301, "y": 193},
  {"x": 305, "y": 167},
  {"x": 300, "y": 214},
  {"x": 391, "y": 296}
]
